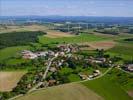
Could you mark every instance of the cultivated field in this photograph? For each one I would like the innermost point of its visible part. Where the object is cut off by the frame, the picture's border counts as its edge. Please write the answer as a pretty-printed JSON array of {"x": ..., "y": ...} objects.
[
  {"x": 8, "y": 80},
  {"x": 57, "y": 34},
  {"x": 98, "y": 45},
  {"x": 63, "y": 92},
  {"x": 43, "y": 28},
  {"x": 23, "y": 28}
]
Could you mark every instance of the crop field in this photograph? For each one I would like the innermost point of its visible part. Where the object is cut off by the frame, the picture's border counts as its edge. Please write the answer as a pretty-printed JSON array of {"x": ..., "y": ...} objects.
[
  {"x": 23, "y": 28},
  {"x": 43, "y": 28},
  {"x": 63, "y": 92},
  {"x": 98, "y": 45},
  {"x": 57, "y": 34},
  {"x": 8, "y": 80}
]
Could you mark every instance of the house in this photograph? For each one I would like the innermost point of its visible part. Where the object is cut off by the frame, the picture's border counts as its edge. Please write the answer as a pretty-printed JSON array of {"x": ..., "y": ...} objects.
[
  {"x": 28, "y": 55},
  {"x": 40, "y": 54},
  {"x": 90, "y": 76},
  {"x": 29, "y": 86},
  {"x": 51, "y": 53},
  {"x": 56, "y": 54},
  {"x": 101, "y": 59},
  {"x": 26, "y": 52},
  {"x": 51, "y": 82},
  {"x": 129, "y": 67},
  {"x": 83, "y": 76},
  {"x": 52, "y": 69},
  {"x": 96, "y": 73}
]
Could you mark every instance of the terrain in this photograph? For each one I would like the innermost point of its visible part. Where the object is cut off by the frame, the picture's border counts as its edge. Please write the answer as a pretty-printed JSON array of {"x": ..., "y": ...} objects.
[
  {"x": 104, "y": 88},
  {"x": 73, "y": 91}
]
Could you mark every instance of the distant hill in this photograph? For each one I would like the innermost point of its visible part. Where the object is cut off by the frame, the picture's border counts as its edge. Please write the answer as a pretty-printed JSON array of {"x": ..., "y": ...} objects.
[{"x": 56, "y": 18}]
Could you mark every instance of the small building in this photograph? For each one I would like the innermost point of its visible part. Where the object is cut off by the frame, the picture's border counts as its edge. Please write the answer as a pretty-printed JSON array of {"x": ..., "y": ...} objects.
[
  {"x": 26, "y": 54},
  {"x": 52, "y": 69},
  {"x": 40, "y": 54},
  {"x": 51, "y": 82},
  {"x": 129, "y": 67},
  {"x": 83, "y": 76}
]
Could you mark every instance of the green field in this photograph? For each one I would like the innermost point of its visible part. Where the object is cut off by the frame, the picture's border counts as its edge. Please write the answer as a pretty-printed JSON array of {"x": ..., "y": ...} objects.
[
  {"x": 63, "y": 92},
  {"x": 75, "y": 39},
  {"x": 11, "y": 51},
  {"x": 111, "y": 87},
  {"x": 125, "y": 50}
]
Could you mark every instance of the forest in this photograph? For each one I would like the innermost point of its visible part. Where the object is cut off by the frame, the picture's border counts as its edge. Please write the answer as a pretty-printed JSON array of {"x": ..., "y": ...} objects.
[{"x": 19, "y": 38}]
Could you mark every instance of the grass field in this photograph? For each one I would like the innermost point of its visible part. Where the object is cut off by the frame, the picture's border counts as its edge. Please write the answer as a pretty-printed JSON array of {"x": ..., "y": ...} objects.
[
  {"x": 8, "y": 80},
  {"x": 63, "y": 92},
  {"x": 123, "y": 49},
  {"x": 16, "y": 61},
  {"x": 11, "y": 51},
  {"x": 74, "y": 39},
  {"x": 108, "y": 87}
]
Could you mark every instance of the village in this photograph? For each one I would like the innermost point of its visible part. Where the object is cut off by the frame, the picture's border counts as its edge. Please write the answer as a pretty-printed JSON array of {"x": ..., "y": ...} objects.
[{"x": 64, "y": 56}]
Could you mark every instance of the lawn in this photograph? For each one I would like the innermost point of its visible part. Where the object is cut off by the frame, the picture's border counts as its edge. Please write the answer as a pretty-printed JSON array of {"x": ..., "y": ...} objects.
[
  {"x": 11, "y": 51},
  {"x": 108, "y": 87}
]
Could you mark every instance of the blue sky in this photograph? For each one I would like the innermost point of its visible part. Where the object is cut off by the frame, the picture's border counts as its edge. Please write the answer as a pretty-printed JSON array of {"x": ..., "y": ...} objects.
[{"x": 67, "y": 7}]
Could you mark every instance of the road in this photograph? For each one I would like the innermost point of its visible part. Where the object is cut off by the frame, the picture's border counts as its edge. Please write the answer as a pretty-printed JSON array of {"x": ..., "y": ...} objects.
[
  {"x": 44, "y": 76},
  {"x": 125, "y": 71}
]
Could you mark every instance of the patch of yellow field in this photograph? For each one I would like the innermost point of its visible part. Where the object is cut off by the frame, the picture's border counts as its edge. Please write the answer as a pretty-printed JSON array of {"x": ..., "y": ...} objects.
[
  {"x": 9, "y": 80},
  {"x": 24, "y": 28},
  {"x": 57, "y": 34},
  {"x": 63, "y": 92},
  {"x": 99, "y": 45},
  {"x": 43, "y": 28}
]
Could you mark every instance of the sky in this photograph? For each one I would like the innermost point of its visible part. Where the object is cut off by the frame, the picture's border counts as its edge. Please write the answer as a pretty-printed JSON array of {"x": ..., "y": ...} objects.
[{"x": 119, "y": 8}]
